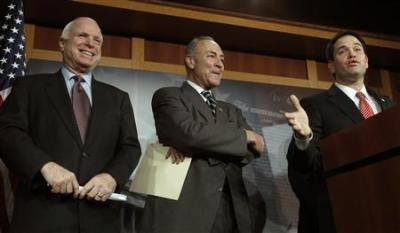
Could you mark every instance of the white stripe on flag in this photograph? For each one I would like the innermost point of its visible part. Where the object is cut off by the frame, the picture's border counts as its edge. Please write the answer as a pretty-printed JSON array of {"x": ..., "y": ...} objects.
[{"x": 4, "y": 93}]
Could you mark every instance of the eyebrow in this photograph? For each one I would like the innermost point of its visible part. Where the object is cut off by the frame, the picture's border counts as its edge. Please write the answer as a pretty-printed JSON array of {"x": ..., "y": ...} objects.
[
  {"x": 96, "y": 37},
  {"x": 343, "y": 46},
  {"x": 215, "y": 53}
]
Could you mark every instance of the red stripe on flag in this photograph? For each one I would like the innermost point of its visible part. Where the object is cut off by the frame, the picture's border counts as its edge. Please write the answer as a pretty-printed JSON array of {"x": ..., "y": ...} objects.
[{"x": 12, "y": 65}]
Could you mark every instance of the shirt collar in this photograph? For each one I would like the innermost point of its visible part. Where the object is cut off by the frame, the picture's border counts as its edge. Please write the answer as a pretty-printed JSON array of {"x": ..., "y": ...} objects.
[
  {"x": 350, "y": 92},
  {"x": 198, "y": 88},
  {"x": 68, "y": 75}
]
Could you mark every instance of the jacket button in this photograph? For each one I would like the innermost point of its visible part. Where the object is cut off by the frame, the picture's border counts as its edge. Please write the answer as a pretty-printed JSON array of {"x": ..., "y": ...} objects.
[
  {"x": 220, "y": 189},
  {"x": 84, "y": 154}
]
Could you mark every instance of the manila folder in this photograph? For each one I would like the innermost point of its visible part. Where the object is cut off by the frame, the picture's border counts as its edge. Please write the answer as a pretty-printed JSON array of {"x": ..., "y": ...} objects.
[{"x": 158, "y": 176}]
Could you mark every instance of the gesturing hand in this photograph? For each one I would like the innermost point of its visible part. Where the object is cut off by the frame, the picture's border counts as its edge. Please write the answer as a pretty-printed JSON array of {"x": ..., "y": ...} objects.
[{"x": 298, "y": 119}]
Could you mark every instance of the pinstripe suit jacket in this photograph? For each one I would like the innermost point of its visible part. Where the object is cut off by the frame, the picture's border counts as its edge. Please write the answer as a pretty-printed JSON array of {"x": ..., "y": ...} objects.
[{"x": 218, "y": 149}]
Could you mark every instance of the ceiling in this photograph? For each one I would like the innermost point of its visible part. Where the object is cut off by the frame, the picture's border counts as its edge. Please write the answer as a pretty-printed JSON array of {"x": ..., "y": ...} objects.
[
  {"x": 129, "y": 23},
  {"x": 377, "y": 17}
]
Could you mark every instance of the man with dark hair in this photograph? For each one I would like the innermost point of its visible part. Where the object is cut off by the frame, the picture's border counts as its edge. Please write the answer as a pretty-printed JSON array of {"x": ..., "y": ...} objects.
[
  {"x": 330, "y": 49},
  {"x": 65, "y": 130},
  {"x": 219, "y": 141},
  {"x": 347, "y": 102}
]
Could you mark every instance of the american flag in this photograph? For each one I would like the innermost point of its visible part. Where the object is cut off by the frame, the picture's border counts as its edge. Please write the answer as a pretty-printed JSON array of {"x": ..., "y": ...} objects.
[{"x": 12, "y": 65}]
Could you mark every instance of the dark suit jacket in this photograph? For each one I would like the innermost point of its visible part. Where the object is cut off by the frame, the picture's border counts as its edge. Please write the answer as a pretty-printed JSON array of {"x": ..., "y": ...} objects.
[
  {"x": 37, "y": 125},
  {"x": 218, "y": 149},
  {"x": 328, "y": 112}
]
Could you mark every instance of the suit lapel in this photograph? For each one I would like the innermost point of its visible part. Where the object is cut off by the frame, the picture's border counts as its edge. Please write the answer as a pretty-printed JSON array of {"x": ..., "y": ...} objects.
[
  {"x": 59, "y": 97},
  {"x": 222, "y": 112},
  {"x": 195, "y": 98},
  {"x": 99, "y": 109},
  {"x": 381, "y": 101},
  {"x": 344, "y": 103}
]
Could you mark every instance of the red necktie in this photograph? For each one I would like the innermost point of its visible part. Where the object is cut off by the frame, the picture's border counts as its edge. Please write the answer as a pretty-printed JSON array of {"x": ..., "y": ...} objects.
[
  {"x": 364, "y": 107},
  {"x": 81, "y": 106}
]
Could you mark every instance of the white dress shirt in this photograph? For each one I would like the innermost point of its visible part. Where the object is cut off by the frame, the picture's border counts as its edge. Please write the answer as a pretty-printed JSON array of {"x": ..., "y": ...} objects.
[{"x": 302, "y": 144}]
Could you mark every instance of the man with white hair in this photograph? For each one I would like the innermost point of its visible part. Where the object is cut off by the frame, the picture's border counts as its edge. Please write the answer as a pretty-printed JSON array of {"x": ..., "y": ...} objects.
[{"x": 65, "y": 130}]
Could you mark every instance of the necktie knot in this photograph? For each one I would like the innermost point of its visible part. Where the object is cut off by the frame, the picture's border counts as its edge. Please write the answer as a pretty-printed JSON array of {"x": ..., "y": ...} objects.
[
  {"x": 363, "y": 105},
  {"x": 360, "y": 95},
  {"x": 77, "y": 84},
  {"x": 207, "y": 94},
  {"x": 211, "y": 101},
  {"x": 77, "y": 78}
]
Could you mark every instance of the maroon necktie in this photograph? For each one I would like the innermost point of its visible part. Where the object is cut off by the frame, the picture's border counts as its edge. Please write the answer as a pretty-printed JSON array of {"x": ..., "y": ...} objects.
[
  {"x": 364, "y": 107},
  {"x": 81, "y": 106}
]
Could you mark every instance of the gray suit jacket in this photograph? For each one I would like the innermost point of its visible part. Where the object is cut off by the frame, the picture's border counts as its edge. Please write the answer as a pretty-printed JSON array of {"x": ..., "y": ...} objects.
[
  {"x": 218, "y": 149},
  {"x": 37, "y": 125},
  {"x": 328, "y": 112}
]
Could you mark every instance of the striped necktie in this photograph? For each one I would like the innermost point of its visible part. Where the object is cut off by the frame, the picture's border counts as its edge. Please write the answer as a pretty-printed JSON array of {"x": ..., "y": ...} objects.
[
  {"x": 364, "y": 107},
  {"x": 211, "y": 101}
]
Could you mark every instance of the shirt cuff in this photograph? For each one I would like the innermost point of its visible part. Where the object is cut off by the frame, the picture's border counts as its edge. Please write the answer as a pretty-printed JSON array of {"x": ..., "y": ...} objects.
[{"x": 302, "y": 144}]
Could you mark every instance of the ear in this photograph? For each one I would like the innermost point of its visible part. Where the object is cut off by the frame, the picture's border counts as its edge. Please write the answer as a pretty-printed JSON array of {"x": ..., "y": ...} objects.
[
  {"x": 61, "y": 44},
  {"x": 190, "y": 62},
  {"x": 331, "y": 67},
  {"x": 366, "y": 60}
]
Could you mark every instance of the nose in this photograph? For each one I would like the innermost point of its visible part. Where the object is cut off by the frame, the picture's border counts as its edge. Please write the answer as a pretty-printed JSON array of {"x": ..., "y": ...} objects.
[
  {"x": 352, "y": 53},
  {"x": 220, "y": 64},
  {"x": 90, "y": 42}
]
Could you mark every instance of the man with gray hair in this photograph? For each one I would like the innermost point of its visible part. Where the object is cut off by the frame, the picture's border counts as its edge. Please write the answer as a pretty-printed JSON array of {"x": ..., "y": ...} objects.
[
  {"x": 217, "y": 138},
  {"x": 71, "y": 139}
]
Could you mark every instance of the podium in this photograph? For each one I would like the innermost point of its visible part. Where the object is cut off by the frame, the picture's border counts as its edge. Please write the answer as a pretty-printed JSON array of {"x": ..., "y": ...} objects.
[{"x": 362, "y": 168}]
